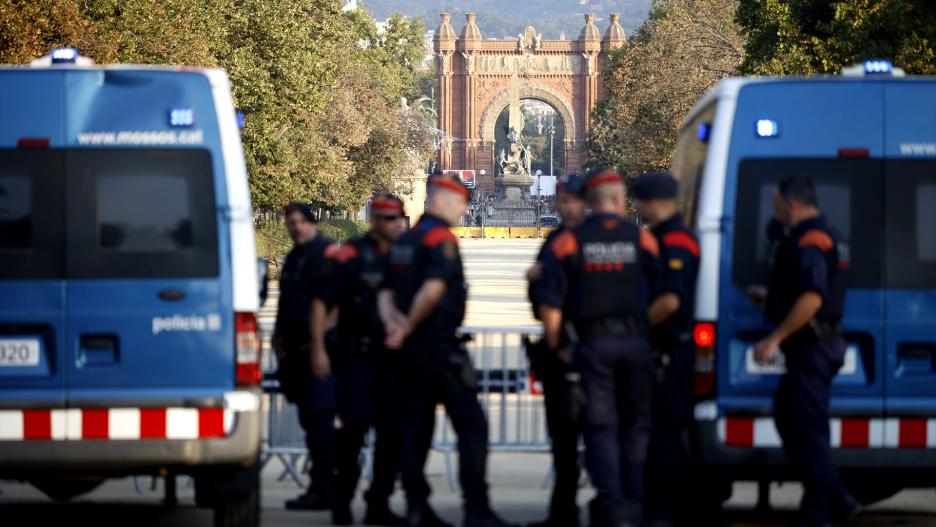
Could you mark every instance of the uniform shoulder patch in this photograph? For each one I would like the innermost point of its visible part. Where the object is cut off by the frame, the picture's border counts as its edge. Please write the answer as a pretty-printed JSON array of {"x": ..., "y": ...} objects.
[
  {"x": 649, "y": 243},
  {"x": 681, "y": 240},
  {"x": 564, "y": 245},
  {"x": 332, "y": 250},
  {"x": 437, "y": 236},
  {"x": 816, "y": 238},
  {"x": 346, "y": 253}
]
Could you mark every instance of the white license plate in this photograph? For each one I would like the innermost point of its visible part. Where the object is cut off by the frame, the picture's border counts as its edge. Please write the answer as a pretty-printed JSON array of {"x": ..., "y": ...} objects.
[
  {"x": 777, "y": 363},
  {"x": 19, "y": 352}
]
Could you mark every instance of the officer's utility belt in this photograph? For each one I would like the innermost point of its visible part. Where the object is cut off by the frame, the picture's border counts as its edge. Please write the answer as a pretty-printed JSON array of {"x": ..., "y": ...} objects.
[
  {"x": 610, "y": 327},
  {"x": 816, "y": 330}
]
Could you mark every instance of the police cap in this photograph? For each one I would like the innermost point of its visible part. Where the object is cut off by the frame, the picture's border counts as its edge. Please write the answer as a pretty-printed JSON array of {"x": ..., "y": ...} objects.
[
  {"x": 655, "y": 185},
  {"x": 448, "y": 181},
  {"x": 602, "y": 177},
  {"x": 301, "y": 208},
  {"x": 571, "y": 184}
]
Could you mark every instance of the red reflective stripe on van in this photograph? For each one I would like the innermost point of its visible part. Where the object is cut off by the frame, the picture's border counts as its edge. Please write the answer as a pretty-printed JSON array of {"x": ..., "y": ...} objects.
[
  {"x": 37, "y": 424},
  {"x": 912, "y": 433},
  {"x": 94, "y": 423},
  {"x": 152, "y": 423},
  {"x": 210, "y": 422},
  {"x": 739, "y": 431},
  {"x": 855, "y": 433}
]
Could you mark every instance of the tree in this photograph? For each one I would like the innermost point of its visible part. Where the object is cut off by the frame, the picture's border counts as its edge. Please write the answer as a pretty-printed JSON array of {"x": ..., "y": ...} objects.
[
  {"x": 822, "y": 36},
  {"x": 670, "y": 62}
]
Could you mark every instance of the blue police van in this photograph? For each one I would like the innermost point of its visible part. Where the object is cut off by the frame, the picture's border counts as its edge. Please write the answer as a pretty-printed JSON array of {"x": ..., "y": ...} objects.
[
  {"x": 867, "y": 139},
  {"x": 128, "y": 282}
]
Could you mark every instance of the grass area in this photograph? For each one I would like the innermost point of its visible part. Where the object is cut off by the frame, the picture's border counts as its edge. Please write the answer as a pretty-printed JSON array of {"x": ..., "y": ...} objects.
[{"x": 273, "y": 241}]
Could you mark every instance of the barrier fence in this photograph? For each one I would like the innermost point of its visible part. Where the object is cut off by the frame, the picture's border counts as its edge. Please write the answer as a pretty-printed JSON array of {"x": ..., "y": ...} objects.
[{"x": 512, "y": 401}]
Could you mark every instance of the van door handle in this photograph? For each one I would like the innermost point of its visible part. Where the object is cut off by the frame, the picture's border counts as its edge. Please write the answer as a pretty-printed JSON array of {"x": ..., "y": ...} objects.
[{"x": 172, "y": 295}]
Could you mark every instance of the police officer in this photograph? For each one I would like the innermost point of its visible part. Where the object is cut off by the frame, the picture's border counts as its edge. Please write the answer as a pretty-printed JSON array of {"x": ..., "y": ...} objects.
[
  {"x": 670, "y": 316},
  {"x": 804, "y": 302},
  {"x": 315, "y": 398},
  {"x": 367, "y": 380},
  {"x": 600, "y": 275},
  {"x": 551, "y": 372},
  {"x": 422, "y": 305}
]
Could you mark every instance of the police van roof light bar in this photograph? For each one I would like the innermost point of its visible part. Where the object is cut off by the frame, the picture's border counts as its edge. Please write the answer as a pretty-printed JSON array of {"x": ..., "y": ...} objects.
[{"x": 873, "y": 68}]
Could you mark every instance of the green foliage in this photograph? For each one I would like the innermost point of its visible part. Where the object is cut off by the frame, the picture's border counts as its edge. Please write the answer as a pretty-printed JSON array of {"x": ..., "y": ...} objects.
[
  {"x": 820, "y": 37},
  {"x": 683, "y": 49},
  {"x": 320, "y": 88},
  {"x": 342, "y": 230},
  {"x": 273, "y": 242}
]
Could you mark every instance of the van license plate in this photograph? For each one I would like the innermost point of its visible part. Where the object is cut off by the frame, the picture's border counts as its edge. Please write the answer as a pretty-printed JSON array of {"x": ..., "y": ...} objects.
[
  {"x": 777, "y": 363},
  {"x": 19, "y": 352}
]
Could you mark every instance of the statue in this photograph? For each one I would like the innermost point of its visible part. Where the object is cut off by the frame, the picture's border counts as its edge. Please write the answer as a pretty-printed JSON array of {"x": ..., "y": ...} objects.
[
  {"x": 521, "y": 43},
  {"x": 502, "y": 160},
  {"x": 537, "y": 42}
]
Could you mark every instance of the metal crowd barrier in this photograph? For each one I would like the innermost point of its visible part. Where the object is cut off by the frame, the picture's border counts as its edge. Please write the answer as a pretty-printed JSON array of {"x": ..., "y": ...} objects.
[{"x": 511, "y": 399}]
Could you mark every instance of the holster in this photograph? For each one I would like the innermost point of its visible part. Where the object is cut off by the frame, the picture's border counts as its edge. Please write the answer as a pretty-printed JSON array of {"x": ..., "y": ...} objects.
[
  {"x": 572, "y": 399},
  {"x": 459, "y": 365},
  {"x": 290, "y": 373},
  {"x": 814, "y": 331}
]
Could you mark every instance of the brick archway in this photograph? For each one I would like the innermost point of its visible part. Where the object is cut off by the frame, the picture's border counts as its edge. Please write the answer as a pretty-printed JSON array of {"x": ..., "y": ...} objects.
[{"x": 475, "y": 78}]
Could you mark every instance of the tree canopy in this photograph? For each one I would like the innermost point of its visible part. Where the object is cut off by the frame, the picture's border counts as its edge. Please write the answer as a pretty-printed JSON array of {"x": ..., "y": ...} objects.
[{"x": 683, "y": 49}]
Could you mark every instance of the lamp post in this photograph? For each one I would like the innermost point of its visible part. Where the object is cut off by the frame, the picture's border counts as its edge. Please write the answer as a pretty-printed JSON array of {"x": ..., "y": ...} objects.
[{"x": 552, "y": 134}]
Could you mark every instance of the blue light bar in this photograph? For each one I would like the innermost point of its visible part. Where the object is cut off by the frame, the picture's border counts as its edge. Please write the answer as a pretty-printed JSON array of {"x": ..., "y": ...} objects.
[
  {"x": 181, "y": 117},
  {"x": 241, "y": 120},
  {"x": 64, "y": 55},
  {"x": 704, "y": 132},
  {"x": 766, "y": 128},
  {"x": 877, "y": 67}
]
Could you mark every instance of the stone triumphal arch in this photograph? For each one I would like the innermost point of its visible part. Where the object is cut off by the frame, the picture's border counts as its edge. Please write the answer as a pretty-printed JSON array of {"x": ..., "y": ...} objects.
[{"x": 477, "y": 79}]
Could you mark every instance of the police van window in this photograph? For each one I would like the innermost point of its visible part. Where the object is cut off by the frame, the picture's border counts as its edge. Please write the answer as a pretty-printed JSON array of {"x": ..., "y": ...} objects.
[
  {"x": 849, "y": 196},
  {"x": 144, "y": 213},
  {"x": 16, "y": 212},
  {"x": 31, "y": 218},
  {"x": 911, "y": 215},
  {"x": 141, "y": 214},
  {"x": 689, "y": 160}
]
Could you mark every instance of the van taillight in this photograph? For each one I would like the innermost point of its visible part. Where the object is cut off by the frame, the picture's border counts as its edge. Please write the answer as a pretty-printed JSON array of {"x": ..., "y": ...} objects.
[
  {"x": 247, "y": 336},
  {"x": 703, "y": 380},
  {"x": 33, "y": 142}
]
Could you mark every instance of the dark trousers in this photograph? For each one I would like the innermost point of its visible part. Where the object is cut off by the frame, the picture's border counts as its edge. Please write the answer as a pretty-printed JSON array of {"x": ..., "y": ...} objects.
[
  {"x": 425, "y": 384},
  {"x": 564, "y": 433},
  {"x": 801, "y": 414},
  {"x": 667, "y": 454},
  {"x": 317, "y": 417},
  {"x": 367, "y": 388},
  {"x": 616, "y": 376}
]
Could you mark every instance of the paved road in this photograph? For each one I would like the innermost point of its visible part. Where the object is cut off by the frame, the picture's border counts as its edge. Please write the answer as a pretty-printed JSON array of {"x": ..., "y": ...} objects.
[{"x": 497, "y": 298}]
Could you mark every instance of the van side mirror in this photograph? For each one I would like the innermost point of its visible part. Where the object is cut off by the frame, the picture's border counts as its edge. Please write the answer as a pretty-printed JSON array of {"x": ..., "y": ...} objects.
[{"x": 263, "y": 278}]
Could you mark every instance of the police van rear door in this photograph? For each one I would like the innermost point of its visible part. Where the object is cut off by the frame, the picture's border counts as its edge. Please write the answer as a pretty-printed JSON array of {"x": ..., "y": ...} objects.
[
  {"x": 146, "y": 318},
  {"x": 910, "y": 369},
  {"x": 830, "y": 131},
  {"x": 32, "y": 291}
]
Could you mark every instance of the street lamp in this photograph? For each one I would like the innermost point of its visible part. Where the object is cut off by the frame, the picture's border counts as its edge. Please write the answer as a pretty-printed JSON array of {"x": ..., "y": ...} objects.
[{"x": 552, "y": 134}]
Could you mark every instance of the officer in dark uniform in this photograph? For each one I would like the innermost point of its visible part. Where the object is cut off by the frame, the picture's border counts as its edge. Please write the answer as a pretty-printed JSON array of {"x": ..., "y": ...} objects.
[
  {"x": 422, "y": 305},
  {"x": 601, "y": 275},
  {"x": 805, "y": 301},
  {"x": 671, "y": 318},
  {"x": 366, "y": 371},
  {"x": 552, "y": 372},
  {"x": 315, "y": 398}
]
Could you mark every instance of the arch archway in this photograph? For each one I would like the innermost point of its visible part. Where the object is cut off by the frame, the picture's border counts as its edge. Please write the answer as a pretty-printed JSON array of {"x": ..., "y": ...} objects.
[
  {"x": 475, "y": 77},
  {"x": 540, "y": 92}
]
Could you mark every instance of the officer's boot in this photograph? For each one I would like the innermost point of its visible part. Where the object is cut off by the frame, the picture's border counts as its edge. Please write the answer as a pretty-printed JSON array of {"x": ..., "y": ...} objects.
[{"x": 423, "y": 516}]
